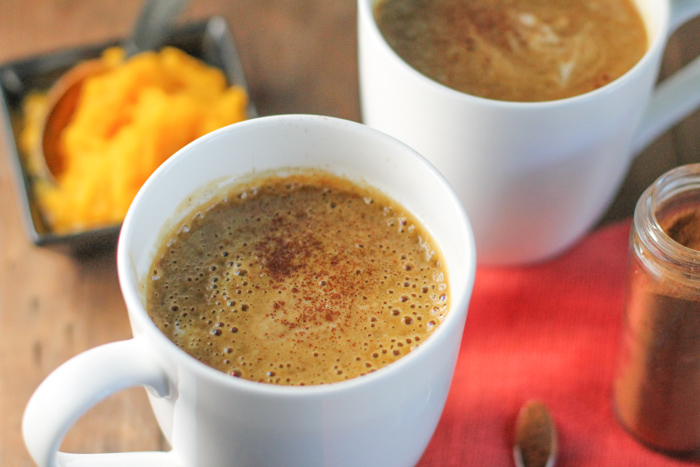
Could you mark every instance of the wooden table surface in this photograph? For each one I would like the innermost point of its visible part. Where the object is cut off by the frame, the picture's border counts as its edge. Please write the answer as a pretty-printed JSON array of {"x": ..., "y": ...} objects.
[{"x": 299, "y": 56}]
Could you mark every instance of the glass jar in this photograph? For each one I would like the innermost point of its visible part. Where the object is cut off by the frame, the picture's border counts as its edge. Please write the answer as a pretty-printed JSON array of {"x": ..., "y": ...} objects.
[{"x": 656, "y": 389}]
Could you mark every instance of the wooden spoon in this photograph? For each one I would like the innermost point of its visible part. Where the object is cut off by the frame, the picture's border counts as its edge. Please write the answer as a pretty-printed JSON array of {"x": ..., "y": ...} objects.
[
  {"x": 150, "y": 30},
  {"x": 536, "y": 442}
]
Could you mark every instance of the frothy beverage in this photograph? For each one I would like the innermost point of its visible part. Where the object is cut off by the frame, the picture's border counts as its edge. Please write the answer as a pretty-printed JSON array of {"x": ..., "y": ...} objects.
[
  {"x": 525, "y": 50},
  {"x": 299, "y": 279}
]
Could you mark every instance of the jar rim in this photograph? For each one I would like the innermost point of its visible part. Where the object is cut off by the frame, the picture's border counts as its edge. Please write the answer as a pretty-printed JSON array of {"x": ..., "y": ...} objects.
[{"x": 667, "y": 187}]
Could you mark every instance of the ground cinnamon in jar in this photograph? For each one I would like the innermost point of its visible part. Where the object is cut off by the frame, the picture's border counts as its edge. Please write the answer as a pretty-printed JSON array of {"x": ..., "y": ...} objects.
[{"x": 657, "y": 385}]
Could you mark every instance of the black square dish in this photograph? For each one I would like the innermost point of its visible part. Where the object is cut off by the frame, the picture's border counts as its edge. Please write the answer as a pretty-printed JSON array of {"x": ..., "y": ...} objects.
[{"x": 209, "y": 41}]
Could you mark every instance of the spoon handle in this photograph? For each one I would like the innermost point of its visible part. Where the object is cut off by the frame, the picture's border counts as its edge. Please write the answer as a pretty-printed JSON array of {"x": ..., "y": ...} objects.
[{"x": 152, "y": 25}]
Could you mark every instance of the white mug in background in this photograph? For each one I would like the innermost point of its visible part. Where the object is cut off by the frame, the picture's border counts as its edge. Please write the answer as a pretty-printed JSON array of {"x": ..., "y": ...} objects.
[
  {"x": 534, "y": 177},
  {"x": 212, "y": 419}
]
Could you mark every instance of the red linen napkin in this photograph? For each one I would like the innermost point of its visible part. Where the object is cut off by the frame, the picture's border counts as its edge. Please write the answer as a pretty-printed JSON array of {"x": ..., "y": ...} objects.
[{"x": 551, "y": 332}]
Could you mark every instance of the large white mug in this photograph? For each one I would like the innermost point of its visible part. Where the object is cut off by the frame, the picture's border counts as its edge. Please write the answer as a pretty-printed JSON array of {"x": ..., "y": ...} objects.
[
  {"x": 212, "y": 419},
  {"x": 534, "y": 177}
]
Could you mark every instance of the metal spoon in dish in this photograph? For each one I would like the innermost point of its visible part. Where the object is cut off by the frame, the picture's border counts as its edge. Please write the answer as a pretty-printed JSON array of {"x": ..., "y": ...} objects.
[
  {"x": 148, "y": 34},
  {"x": 536, "y": 443}
]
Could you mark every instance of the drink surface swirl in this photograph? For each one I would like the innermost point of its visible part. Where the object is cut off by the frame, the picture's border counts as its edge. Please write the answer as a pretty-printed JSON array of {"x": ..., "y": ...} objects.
[{"x": 299, "y": 280}]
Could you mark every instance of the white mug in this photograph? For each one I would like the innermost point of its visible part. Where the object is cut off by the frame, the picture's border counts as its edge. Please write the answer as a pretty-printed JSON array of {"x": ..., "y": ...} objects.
[
  {"x": 212, "y": 419},
  {"x": 534, "y": 177}
]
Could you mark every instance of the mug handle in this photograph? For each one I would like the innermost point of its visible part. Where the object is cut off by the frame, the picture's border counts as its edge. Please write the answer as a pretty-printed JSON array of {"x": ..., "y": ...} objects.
[
  {"x": 676, "y": 97},
  {"x": 76, "y": 386}
]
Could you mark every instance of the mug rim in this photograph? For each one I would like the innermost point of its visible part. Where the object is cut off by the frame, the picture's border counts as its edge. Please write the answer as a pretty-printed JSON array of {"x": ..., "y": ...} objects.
[
  {"x": 138, "y": 315},
  {"x": 365, "y": 14}
]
